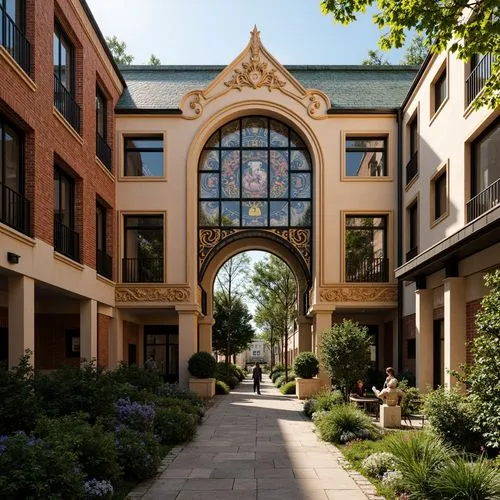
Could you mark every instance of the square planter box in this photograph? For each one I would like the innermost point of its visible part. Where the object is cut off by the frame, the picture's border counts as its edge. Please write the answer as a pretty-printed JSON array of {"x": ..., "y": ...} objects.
[
  {"x": 203, "y": 387},
  {"x": 307, "y": 387}
]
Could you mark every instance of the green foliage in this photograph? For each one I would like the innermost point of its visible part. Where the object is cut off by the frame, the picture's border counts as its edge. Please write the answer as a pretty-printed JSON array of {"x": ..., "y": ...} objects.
[
  {"x": 464, "y": 479},
  {"x": 375, "y": 58},
  {"x": 345, "y": 353},
  {"x": 344, "y": 423},
  {"x": 327, "y": 400},
  {"x": 276, "y": 368},
  {"x": 377, "y": 464},
  {"x": 412, "y": 402},
  {"x": 441, "y": 23},
  {"x": 276, "y": 374},
  {"x": 118, "y": 51},
  {"x": 154, "y": 61},
  {"x": 173, "y": 425},
  {"x": 416, "y": 51},
  {"x": 185, "y": 405},
  {"x": 282, "y": 380},
  {"x": 288, "y": 388},
  {"x": 149, "y": 380},
  {"x": 451, "y": 416},
  {"x": 174, "y": 391},
  {"x": 306, "y": 365},
  {"x": 202, "y": 365},
  {"x": 221, "y": 387},
  {"x": 408, "y": 376}
]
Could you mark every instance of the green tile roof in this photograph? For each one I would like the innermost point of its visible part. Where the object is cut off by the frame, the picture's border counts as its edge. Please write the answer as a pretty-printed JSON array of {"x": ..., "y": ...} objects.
[{"x": 370, "y": 87}]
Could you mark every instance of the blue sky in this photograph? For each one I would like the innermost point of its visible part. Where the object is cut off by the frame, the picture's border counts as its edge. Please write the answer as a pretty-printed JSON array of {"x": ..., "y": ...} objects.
[{"x": 215, "y": 31}]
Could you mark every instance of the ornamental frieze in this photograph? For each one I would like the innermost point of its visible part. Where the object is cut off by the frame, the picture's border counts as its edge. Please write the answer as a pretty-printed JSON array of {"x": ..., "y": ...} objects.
[
  {"x": 359, "y": 294},
  {"x": 151, "y": 294}
]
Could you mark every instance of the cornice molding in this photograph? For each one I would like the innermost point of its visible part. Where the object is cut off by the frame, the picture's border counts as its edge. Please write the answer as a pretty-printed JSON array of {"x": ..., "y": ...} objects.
[
  {"x": 356, "y": 293},
  {"x": 151, "y": 294}
]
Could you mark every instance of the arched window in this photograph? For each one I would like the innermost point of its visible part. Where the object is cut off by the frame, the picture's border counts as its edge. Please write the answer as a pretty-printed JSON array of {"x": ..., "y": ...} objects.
[{"x": 255, "y": 172}]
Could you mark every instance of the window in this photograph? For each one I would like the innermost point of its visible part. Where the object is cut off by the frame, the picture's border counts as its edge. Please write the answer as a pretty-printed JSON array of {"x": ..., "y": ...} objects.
[
  {"x": 412, "y": 218},
  {"x": 103, "y": 260},
  {"x": 66, "y": 239},
  {"x": 12, "y": 36},
  {"x": 480, "y": 71},
  {"x": 366, "y": 157},
  {"x": 366, "y": 248},
  {"x": 440, "y": 91},
  {"x": 485, "y": 162},
  {"x": 439, "y": 190},
  {"x": 103, "y": 151},
  {"x": 14, "y": 207},
  {"x": 161, "y": 345},
  {"x": 143, "y": 261},
  {"x": 412, "y": 165},
  {"x": 411, "y": 348},
  {"x": 144, "y": 156},
  {"x": 64, "y": 78}
]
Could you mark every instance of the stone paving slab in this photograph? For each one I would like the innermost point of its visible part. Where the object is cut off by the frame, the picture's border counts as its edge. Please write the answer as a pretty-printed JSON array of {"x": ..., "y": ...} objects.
[{"x": 253, "y": 447}]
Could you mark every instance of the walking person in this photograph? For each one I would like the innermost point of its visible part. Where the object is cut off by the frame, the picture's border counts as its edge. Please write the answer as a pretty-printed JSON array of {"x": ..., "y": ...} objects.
[{"x": 257, "y": 377}]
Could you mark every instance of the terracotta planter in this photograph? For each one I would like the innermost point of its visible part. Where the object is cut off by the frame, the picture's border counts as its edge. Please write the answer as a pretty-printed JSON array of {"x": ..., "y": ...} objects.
[
  {"x": 307, "y": 387},
  {"x": 203, "y": 387}
]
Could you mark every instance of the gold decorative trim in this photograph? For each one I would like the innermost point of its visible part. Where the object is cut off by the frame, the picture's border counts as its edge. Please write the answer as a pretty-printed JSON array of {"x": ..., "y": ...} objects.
[
  {"x": 151, "y": 294},
  {"x": 359, "y": 294}
]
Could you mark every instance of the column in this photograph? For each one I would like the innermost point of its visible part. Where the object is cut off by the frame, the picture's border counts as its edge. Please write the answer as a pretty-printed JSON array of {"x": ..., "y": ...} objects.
[
  {"x": 21, "y": 304},
  {"x": 88, "y": 329},
  {"x": 424, "y": 323},
  {"x": 305, "y": 335},
  {"x": 188, "y": 342},
  {"x": 115, "y": 339},
  {"x": 454, "y": 327},
  {"x": 205, "y": 329},
  {"x": 322, "y": 320}
]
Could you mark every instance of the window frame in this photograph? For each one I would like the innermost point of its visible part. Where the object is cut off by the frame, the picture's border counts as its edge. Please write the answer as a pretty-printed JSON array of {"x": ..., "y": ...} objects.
[
  {"x": 413, "y": 227},
  {"x": 20, "y": 14},
  {"x": 101, "y": 98},
  {"x": 435, "y": 184},
  {"x": 63, "y": 175},
  {"x": 153, "y": 136},
  {"x": 379, "y": 136},
  {"x": 473, "y": 157},
  {"x": 21, "y": 170},
  {"x": 441, "y": 81},
  {"x": 103, "y": 230},
  {"x": 62, "y": 36}
]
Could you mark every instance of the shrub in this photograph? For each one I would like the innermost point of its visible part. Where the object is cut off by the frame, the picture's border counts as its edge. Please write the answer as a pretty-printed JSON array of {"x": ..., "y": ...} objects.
[
  {"x": 306, "y": 365},
  {"x": 462, "y": 478},
  {"x": 408, "y": 376},
  {"x": 393, "y": 479},
  {"x": 185, "y": 405},
  {"x": 276, "y": 374},
  {"x": 172, "y": 425},
  {"x": 98, "y": 489},
  {"x": 33, "y": 469},
  {"x": 229, "y": 370},
  {"x": 411, "y": 403},
  {"x": 419, "y": 459},
  {"x": 281, "y": 380},
  {"x": 344, "y": 423},
  {"x": 221, "y": 387},
  {"x": 451, "y": 416},
  {"x": 137, "y": 377},
  {"x": 377, "y": 464},
  {"x": 202, "y": 365},
  {"x": 174, "y": 391},
  {"x": 310, "y": 407},
  {"x": 135, "y": 415},
  {"x": 276, "y": 368},
  {"x": 288, "y": 388},
  {"x": 327, "y": 400}
]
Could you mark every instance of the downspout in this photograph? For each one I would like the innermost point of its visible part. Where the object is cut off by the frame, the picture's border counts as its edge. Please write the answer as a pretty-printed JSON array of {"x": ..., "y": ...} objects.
[{"x": 400, "y": 235}]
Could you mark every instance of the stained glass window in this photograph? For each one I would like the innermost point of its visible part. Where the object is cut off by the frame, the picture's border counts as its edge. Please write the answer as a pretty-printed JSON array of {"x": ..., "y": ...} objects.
[{"x": 255, "y": 172}]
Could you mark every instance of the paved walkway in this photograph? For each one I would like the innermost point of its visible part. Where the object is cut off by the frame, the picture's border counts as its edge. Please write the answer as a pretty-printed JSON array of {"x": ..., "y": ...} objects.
[{"x": 254, "y": 447}]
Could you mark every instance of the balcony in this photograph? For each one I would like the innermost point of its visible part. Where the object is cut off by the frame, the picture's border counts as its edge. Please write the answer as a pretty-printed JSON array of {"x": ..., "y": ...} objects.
[
  {"x": 373, "y": 270},
  {"x": 411, "y": 253},
  {"x": 484, "y": 201},
  {"x": 142, "y": 270},
  {"x": 412, "y": 167},
  {"x": 103, "y": 151},
  {"x": 66, "y": 105},
  {"x": 14, "y": 209},
  {"x": 104, "y": 264},
  {"x": 477, "y": 78},
  {"x": 14, "y": 41},
  {"x": 66, "y": 241}
]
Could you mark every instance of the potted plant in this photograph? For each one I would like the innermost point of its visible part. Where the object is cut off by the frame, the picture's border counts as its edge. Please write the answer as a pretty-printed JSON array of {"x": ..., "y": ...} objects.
[
  {"x": 202, "y": 366},
  {"x": 306, "y": 367}
]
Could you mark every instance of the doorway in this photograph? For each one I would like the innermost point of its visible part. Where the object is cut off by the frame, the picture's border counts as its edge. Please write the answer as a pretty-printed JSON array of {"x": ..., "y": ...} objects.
[
  {"x": 438, "y": 353},
  {"x": 162, "y": 344}
]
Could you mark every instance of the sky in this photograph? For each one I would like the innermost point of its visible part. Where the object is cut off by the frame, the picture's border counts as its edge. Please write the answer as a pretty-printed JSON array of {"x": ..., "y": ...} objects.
[{"x": 215, "y": 31}]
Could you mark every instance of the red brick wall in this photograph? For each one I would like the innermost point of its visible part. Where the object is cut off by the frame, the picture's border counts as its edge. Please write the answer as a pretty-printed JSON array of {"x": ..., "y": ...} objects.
[
  {"x": 438, "y": 313},
  {"x": 471, "y": 310},
  {"x": 46, "y": 138},
  {"x": 130, "y": 336},
  {"x": 103, "y": 340}
]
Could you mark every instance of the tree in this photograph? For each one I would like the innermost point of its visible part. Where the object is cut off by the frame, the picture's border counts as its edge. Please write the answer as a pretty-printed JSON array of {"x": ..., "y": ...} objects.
[
  {"x": 232, "y": 332},
  {"x": 466, "y": 27},
  {"x": 274, "y": 289},
  {"x": 416, "y": 52},
  {"x": 117, "y": 49},
  {"x": 153, "y": 60},
  {"x": 345, "y": 353},
  {"x": 375, "y": 58}
]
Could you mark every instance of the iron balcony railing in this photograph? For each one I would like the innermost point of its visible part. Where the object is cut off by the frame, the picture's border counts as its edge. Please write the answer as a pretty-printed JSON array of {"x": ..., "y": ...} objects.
[
  {"x": 413, "y": 252},
  {"x": 104, "y": 264},
  {"x": 412, "y": 167},
  {"x": 66, "y": 240},
  {"x": 477, "y": 78},
  {"x": 367, "y": 271},
  {"x": 66, "y": 105},
  {"x": 14, "y": 209},
  {"x": 103, "y": 151},
  {"x": 142, "y": 270},
  {"x": 14, "y": 41},
  {"x": 482, "y": 202}
]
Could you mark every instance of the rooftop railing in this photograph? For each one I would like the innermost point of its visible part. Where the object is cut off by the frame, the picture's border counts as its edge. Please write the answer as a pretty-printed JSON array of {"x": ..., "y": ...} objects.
[{"x": 477, "y": 78}]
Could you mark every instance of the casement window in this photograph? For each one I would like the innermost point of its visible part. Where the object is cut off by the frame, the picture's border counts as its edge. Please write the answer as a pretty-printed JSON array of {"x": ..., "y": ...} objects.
[
  {"x": 103, "y": 259},
  {"x": 440, "y": 88},
  {"x": 412, "y": 165},
  {"x": 144, "y": 156},
  {"x": 103, "y": 151},
  {"x": 12, "y": 32},
  {"x": 412, "y": 235},
  {"x": 366, "y": 157},
  {"x": 439, "y": 192}
]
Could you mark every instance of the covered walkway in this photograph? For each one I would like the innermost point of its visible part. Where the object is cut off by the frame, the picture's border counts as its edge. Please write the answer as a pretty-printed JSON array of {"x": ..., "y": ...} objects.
[{"x": 254, "y": 447}]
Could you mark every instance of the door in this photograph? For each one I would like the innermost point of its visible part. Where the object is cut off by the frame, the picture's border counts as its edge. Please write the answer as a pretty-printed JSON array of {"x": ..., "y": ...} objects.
[
  {"x": 438, "y": 352},
  {"x": 162, "y": 344}
]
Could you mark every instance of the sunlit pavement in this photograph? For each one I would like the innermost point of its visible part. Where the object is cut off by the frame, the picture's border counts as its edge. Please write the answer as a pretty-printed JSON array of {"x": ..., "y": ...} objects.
[{"x": 255, "y": 447}]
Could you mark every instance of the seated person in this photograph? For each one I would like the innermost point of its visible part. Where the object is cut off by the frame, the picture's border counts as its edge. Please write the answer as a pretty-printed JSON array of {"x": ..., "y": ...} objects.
[
  {"x": 391, "y": 395},
  {"x": 359, "y": 391}
]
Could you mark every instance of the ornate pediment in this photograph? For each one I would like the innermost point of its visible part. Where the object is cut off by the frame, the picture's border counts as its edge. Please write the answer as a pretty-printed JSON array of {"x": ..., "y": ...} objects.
[{"x": 255, "y": 68}]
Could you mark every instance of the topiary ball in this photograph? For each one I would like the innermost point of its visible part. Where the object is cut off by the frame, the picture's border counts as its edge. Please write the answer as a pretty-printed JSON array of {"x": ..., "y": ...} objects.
[
  {"x": 202, "y": 365},
  {"x": 306, "y": 365}
]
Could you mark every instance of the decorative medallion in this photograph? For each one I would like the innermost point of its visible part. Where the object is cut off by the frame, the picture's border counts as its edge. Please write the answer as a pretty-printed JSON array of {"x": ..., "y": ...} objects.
[
  {"x": 150, "y": 294},
  {"x": 359, "y": 294}
]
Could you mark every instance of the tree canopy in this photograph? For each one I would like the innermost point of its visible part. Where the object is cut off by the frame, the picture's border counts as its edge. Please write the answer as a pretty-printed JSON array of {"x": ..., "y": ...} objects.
[
  {"x": 153, "y": 60},
  {"x": 375, "y": 58},
  {"x": 118, "y": 50},
  {"x": 416, "y": 51},
  {"x": 466, "y": 27}
]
